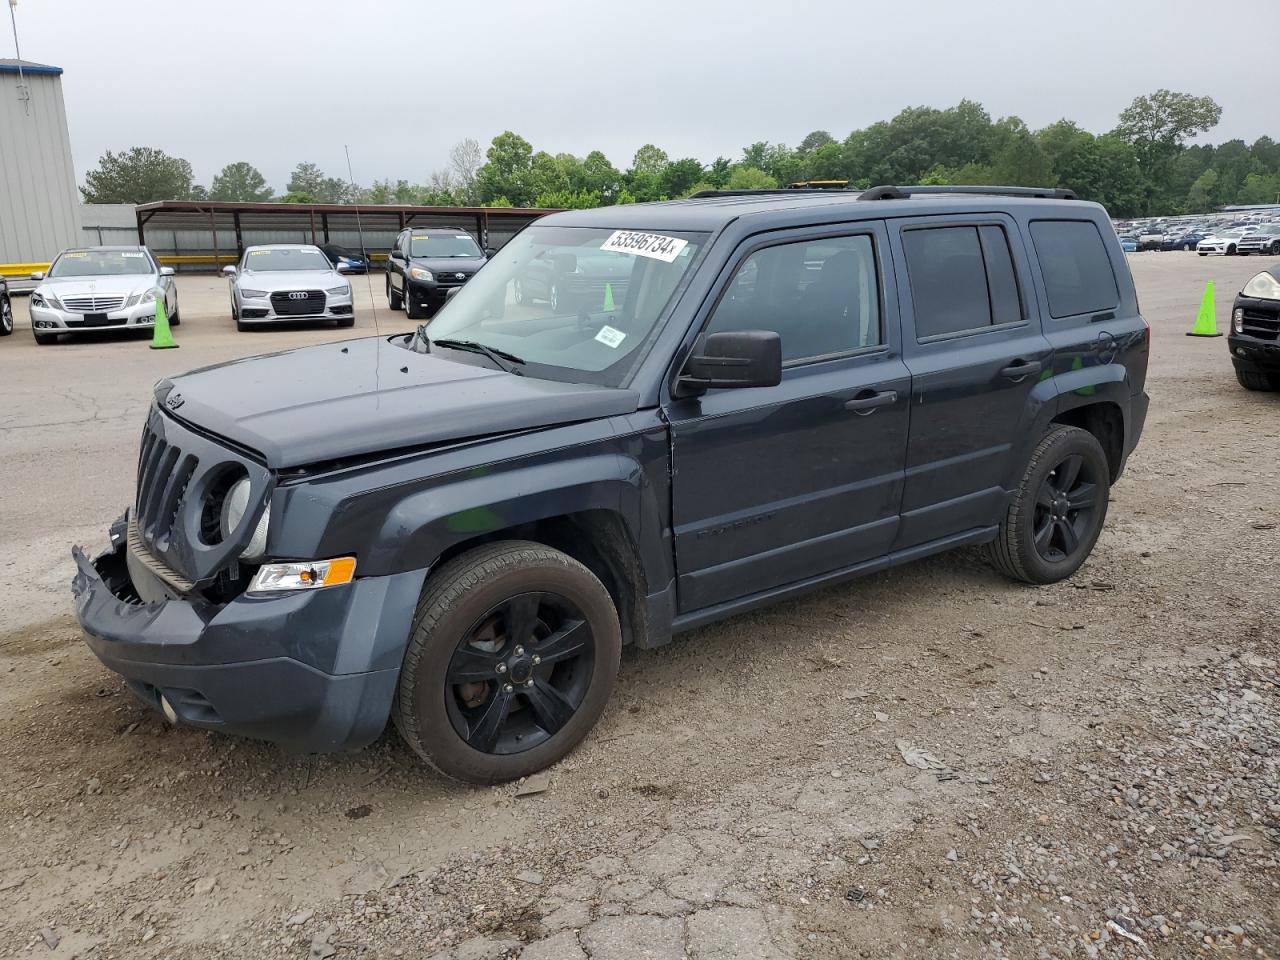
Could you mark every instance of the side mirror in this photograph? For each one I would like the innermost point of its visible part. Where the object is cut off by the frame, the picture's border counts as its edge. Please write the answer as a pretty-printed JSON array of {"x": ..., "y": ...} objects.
[
  {"x": 228, "y": 271},
  {"x": 166, "y": 271},
  {"x": 449, "y": 293},
  {"x": 490, "y": 251},
  {"x": 37, "y": 275},
  {"x": 739, "y": 358}
]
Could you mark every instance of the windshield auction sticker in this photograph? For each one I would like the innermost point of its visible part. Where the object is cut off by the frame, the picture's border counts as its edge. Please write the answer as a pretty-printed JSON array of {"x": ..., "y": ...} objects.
[
  {"x": 652, "y": 245},
  {"x": 610, "y": 337}
]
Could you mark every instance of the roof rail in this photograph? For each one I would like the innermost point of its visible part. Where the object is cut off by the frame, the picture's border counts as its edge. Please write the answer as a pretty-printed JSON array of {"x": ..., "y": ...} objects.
[{"x": 888, "y": 192}]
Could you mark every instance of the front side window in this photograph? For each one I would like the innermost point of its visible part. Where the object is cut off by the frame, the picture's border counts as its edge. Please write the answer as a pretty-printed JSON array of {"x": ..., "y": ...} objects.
[
  {"x": 1078, "y": 277},
  {"x": 101, "y": 263},
  {"x": 578, "y": 304},
  {"x": 820, "y": 296},
  {"x": 442, "y": 246},
  {"x": 274, "y": 259}
]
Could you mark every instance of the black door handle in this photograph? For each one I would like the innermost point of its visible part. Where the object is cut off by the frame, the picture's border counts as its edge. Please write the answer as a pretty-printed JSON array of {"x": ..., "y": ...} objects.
[
  {"x": 870, "y": 403},
  {"x": 1021, "y": 369}
]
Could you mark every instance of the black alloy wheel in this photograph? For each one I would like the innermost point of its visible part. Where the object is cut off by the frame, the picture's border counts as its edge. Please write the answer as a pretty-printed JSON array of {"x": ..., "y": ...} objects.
[
  {"x": 1065, "y": 507},
  {"x": 1057, "y": 511},
  {"x": 513, "y": 654},
  {"x": 520, "y": 673}
]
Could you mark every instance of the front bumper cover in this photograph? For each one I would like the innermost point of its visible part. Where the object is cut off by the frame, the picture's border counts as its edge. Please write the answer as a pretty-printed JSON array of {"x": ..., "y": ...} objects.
[{"x": 309, "y": 671}]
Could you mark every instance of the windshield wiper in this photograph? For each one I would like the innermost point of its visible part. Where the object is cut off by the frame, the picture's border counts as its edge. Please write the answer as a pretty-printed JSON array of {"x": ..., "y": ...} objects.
[{"x": 499, "y": 357}]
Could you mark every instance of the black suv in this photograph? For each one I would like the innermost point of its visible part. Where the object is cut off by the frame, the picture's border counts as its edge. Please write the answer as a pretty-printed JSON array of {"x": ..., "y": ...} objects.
[
  {"x": 1254, "y": 339},
  {"x": 459, "y": 528},
  {"x": 425, "y": 264}
]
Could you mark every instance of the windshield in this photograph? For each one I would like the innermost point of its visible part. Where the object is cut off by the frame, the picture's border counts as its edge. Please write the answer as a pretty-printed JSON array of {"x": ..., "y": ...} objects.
[
  {"x": 574, "y": 303},
  {"x": 283, "y": 258},
  {"x": 442, "y": 245},
  {"x": 102, "y": 263}
]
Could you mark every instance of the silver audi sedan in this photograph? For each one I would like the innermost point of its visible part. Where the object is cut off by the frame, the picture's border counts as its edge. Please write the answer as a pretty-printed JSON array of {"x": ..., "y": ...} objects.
[
  {"x": 288, "y": 281},
  {"x": 95, "y": 288}
]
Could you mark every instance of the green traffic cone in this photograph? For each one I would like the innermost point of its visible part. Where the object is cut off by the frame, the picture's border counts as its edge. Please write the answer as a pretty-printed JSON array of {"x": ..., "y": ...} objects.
[
  {"x": 1207, "y": 318},
  {"x": 608, "y": 298},
  {"x": 161, "y": 337}
]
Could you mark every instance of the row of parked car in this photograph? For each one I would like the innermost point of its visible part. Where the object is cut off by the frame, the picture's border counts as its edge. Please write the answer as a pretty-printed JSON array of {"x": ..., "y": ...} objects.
[{"x": 1232, "y": 239}]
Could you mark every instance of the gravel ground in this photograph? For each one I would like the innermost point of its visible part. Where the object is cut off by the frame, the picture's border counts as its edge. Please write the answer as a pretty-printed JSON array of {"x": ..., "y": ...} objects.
[{"x": 1094, "y": 766}]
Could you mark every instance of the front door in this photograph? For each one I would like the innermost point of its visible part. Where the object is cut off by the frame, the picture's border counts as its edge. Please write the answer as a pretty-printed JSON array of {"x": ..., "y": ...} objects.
[{"x": 776, "y": 485}]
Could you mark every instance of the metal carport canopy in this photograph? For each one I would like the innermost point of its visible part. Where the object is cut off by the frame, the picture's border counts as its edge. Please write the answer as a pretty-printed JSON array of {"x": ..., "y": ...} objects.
[{"x": 320, "y": 218}]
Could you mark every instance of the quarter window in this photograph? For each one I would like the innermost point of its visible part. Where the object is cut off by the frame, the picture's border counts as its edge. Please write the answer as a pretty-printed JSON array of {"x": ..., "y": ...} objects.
[
  {"x": 821, "y": 297},
  {"x": 1078, "y": 276},
  {"x": 962, "y": 279}
]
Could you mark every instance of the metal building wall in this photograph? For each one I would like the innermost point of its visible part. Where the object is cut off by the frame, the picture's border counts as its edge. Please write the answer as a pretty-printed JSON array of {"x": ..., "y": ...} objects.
[{"x": 39, "y": 201}]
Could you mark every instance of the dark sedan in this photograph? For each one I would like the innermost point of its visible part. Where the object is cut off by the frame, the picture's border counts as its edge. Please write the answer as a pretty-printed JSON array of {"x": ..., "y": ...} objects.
[
  {"x": 1183, "y": 241},
  {"x": 355, "y": 261},
  {"x": 570, "y": 279}
]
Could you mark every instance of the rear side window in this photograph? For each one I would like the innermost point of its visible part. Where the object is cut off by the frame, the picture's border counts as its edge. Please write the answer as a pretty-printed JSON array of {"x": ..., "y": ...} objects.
[
  {"x": 962, "y": 279},
  {"x": 1077, "y": 271}
]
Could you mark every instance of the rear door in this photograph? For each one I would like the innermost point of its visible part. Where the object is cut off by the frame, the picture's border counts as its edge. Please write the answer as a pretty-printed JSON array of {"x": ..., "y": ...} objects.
[
  {"x": 776, "y": 485},
  {"x": 973, "y": 344}
]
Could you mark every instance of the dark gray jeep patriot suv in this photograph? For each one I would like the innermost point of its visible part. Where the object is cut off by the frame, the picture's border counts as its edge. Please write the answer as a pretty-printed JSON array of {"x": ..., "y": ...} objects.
[{"x": 766, "y": 392}]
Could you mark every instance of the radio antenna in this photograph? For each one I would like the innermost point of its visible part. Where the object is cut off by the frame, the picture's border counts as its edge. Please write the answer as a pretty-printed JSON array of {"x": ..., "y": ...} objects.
[{"x": 368, "y": 264}]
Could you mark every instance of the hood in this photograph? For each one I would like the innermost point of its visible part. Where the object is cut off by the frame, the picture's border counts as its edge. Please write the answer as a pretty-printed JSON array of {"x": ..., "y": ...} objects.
[
  {"x": 83, "y": 286},
  {"x": 358, "y": 397},
  {"x": 467, "y": 265},
  {"x": 270, "y": 280}
]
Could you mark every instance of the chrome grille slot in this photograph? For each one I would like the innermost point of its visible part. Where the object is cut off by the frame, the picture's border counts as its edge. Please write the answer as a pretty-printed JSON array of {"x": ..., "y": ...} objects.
[
  {"x": 298, "y": 303},
  {"x": 92, "y": 303}
]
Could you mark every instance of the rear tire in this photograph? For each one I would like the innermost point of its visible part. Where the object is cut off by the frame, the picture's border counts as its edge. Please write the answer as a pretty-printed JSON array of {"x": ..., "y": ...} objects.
[
  {"x": 1058, "y": 510},
  {"x": 1275, "y": 248},
  {"x": 1256, "y": 380},
  {"x": 6, "y": 317},
  {"x": 469, "y": 622}
]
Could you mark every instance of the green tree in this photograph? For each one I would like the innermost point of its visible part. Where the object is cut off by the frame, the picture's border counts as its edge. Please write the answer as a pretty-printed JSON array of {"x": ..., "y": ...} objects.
[
  {"x": 1260, "y": 188},
  {"x": 568, "y": 200},
  {"x": 600, "y": 176},
  {"x": 718, "y": 172},
  {"x": 1017, "y": 158},
  {"x": 750, "y": 178},
  {"x": 242, "y": 182},
  {"x": 815, "y": 141},
  {"x": 1157, "y": 126},
  {"x": 1203, "y": 193},
  {"x": 506, "y": 171},
  {"x": 297, "y": 196},
  {"x": 679, "y": 175},
  {"x": 309, "y": 179},
  {"x": 138, "y": 175}
]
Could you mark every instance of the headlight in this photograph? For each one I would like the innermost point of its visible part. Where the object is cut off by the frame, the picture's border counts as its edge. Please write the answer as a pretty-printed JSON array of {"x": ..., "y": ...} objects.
[
  {"x": 1264, "y": 286},
  {"x": 418, "y": 273},
  {"x": 307, "y": 575},
  {"x": 45, "y": 299},
  {"x": 149, "y": 296},
  {"x": 342, "y": 291},
  {"x": 253, "y": 294},
  {"x": 234, "y": 507},
  {"x": 37, "y": 300},
  {"x": 1237, "y": 319}
]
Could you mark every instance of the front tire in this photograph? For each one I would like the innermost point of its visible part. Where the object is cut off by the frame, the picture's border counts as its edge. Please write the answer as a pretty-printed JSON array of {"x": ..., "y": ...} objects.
[
  {"x": 1057, "y": 512},
  {"x": 394, "y": 300},
  {"x": 1256, "y": 380},
  {"x": 1275, "y": 248},
  {"x": 1231, "y": 250},
  {"x": 6, "y": 317},
  {"x": 412, "y": 308},
  {"x": 513, "y": 655}
]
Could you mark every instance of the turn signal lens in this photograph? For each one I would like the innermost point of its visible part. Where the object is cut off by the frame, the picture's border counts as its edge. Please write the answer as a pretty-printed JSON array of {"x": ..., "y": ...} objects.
[{"x": 314, "y": 575}]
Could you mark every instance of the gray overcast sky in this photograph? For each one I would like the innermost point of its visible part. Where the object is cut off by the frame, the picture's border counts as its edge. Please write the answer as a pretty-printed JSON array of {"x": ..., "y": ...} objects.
[{"x": 275, "y": 82}]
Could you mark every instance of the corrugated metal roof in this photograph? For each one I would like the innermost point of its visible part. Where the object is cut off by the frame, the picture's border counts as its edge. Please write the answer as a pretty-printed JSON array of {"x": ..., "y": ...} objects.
[{"x": 9, "y": 65}]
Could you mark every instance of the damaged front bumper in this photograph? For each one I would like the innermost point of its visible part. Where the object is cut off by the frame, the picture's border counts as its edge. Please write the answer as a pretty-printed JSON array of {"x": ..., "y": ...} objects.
[{"x": 312, "y": 671}]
